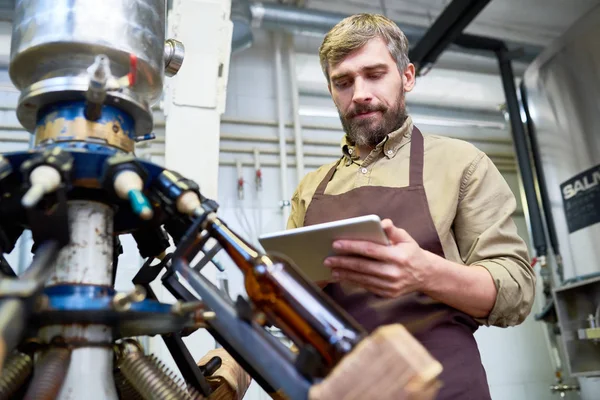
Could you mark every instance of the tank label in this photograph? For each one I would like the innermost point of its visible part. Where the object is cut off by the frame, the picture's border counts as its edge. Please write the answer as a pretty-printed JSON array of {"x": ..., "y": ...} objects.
[{"x": 581, "y": 199}]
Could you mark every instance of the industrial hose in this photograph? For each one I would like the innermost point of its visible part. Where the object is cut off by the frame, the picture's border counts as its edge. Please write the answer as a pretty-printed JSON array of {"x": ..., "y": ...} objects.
[
  {"x": 49, "y": 374},
  {"x": 14, "y": 375}
]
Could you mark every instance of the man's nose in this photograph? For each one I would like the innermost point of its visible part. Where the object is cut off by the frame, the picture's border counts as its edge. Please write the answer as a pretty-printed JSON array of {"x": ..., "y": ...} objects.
[{"x": 361, "y": 94}]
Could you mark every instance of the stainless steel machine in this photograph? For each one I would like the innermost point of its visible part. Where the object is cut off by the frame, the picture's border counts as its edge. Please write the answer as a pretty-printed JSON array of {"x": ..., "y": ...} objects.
[
  {"x": 88, "y": 73},
  {"x": 561, "y": 92}
]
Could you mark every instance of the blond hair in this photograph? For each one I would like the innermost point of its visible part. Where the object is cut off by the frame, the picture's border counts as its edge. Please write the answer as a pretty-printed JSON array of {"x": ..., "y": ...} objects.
[{"x": 354, "y": 32}]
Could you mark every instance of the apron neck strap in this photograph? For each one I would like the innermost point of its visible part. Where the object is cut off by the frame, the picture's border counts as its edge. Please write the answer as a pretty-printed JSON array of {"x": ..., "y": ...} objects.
[
  {"x": 416, "y": 163},
  {"x": 323, "y": 185},
  {"x": 416, "y": 158}
]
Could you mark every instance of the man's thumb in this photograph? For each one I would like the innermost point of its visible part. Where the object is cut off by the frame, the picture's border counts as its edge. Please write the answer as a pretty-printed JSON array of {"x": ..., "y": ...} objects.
[{"x": 394, "y": 234}]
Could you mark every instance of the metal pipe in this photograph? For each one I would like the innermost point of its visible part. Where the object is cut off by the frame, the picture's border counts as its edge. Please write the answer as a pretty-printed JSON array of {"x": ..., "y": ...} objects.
[
  {"x": 311, "y": 22},
  {"x": 541, "y": 182},
  {"x": 522, "y": 153},
  {"x": 7, "y": 138},
  {"x": 503, "y": 164},
  {"x": 96, "y": 361},
  {"x": 283, "y": 178},
  {"x": 295, "y": 109},
  {"x": 456, "y": 123},
  {"x": 334, "y": 151},
  {"x": 317, "y": 164},
  {"x": 87, "y": 260}
]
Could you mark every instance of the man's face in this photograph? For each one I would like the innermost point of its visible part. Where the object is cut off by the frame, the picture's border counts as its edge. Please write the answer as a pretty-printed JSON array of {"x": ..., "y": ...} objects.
[{"x": 368, "y": 90}]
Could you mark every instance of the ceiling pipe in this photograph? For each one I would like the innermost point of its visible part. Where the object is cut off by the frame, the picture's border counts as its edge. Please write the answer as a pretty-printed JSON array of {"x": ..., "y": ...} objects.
[
  {"x": 304, "y": 21},
  {"x": 241, "y": 16}
]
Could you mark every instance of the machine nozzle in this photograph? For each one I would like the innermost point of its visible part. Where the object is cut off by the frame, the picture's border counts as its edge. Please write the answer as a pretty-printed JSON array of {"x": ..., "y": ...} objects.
[
  {"x": 44, "y": 179},
  {"x": 128, "y": 185}
]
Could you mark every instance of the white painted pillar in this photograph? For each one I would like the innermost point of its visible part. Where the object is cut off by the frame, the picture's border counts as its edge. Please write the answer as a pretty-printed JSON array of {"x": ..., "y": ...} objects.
[
  {"x": 87, "y": 260},
  {"x": 194, "y": 102},
  {"x": 195, "y": 97}
]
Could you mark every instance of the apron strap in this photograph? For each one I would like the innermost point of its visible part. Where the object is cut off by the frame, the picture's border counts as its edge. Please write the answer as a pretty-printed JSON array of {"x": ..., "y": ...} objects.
[
  {"x": 323, "y": 185},
  {"x": 416, "y": 158}
]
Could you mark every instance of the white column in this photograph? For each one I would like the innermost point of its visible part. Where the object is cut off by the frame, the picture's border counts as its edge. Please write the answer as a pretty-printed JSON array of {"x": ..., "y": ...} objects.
[
  {"x": 195, "y": 97},
  {"x": 88, "y": 257},
  {"x": 194, "y": 102},
  {"x": 86, "y": 260}
]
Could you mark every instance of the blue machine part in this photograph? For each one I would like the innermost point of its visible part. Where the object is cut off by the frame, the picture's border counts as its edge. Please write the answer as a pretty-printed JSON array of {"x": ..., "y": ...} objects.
[
  {"x": 88, "y": 163},
  {"x": 88, "y": 169},
  {"x": 84, "y": 304},
  {"x": 73, "y": 110}
]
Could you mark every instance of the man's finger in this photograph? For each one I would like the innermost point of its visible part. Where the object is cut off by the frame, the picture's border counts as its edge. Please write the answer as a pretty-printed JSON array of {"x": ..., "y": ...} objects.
[
  {"x": 361, "y": 279},
  {"x": 395, "y": 234},
  {"x": 360, "y": 265},
  {"x": 366, "y": 249},
  {"x": 379, "y": 292}
]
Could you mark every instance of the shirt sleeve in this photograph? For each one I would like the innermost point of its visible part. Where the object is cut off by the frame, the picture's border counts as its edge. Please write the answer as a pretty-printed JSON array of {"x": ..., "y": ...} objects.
[
  {"x": 296, "y": 218},
  {"x": 487, "y": 236}
]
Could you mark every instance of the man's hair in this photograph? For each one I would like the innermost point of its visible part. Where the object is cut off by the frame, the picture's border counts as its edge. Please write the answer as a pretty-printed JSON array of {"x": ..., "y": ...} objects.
[{"x": 354, "y": 32}]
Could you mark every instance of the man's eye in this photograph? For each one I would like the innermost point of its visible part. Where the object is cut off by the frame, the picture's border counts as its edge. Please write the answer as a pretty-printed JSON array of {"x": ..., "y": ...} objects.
[
  {"x": 342, "y": 84},
  {"x": 376, "y": 75}
]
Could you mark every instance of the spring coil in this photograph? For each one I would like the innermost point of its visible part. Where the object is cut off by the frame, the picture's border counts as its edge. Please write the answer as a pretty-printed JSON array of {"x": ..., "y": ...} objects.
[
  {"x": 49, "y": 374},
  {"x": 16, "y": 372},
  {"x": 153, "y": 380},
  {"x": 124, "y": 388}
]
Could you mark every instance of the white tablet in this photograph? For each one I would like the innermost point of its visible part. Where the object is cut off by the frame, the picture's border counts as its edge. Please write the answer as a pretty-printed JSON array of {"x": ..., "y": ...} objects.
[{"x": 309, "y": 246}]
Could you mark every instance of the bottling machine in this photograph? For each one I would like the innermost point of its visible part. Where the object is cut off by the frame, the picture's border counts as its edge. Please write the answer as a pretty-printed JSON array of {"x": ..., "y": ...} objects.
[{"x": 88, "y": 73}]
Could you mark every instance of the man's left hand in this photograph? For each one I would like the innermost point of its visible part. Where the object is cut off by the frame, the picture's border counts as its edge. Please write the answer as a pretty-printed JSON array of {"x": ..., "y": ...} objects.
[{"x": 389, "y": 271}]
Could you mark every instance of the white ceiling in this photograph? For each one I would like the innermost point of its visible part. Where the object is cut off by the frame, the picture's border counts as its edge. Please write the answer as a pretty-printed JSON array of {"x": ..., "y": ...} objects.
[
  {"x": 528, "y": 21},
  {"x": 457, "y": 80}
]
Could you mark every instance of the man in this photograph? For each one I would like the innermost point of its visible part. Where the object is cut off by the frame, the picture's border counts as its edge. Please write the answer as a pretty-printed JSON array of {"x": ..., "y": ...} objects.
[{"x": 455, "y": 259}]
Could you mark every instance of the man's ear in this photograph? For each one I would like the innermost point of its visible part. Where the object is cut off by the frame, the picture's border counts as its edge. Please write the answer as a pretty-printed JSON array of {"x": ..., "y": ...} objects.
[{"x": 409, "y": 78}]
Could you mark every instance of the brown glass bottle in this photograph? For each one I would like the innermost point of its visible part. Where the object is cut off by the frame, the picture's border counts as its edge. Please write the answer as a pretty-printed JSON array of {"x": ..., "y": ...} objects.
[{"x": 289, "y": 300}]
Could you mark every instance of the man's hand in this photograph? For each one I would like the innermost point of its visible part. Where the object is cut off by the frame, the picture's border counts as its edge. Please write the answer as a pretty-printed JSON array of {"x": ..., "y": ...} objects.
[
  {"x": 389, "y": 271},
  {"x": 404, "y": 267}
]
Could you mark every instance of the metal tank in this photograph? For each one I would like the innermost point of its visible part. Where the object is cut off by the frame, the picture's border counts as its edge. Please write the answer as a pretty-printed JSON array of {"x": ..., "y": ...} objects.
[
  {"x": 54, "y": 43},
  {"x": 88, "y": 73},
  {"x": 562, "y": 87}
]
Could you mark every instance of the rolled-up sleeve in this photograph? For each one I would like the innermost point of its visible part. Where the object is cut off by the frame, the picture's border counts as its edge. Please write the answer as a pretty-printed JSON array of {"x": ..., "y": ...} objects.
[
  {"x": 296, "y": 217},
  {"x": 487, "y": 236}
]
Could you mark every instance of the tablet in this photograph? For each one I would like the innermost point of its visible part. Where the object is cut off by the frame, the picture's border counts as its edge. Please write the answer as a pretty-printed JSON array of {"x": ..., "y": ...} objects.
[{"x": 309, "y": 246}]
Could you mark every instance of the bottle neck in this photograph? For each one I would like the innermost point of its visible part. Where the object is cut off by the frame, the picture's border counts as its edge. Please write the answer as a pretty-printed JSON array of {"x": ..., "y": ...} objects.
[{"x": 242, "y": 253}]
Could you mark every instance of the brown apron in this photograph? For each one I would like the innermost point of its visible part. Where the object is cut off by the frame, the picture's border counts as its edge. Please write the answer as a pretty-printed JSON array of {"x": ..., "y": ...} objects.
[{"x": 446, "y": 332}]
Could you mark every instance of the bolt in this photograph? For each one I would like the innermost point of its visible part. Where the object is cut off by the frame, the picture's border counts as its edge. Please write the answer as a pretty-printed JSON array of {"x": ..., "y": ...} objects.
[
  {"x": 209, "y": 315},
  {"x": 182, "y": 308},
  {"x": 122, "y": 301}
]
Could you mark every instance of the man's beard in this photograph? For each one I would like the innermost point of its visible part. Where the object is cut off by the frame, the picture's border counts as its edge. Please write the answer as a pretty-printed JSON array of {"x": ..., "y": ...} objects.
[{"x": 371, "y": 130}]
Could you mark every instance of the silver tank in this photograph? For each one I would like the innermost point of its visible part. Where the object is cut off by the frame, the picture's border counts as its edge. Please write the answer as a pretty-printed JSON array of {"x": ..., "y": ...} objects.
[
  {"x": 563, "y": 88},
  {"x": 55, "y": 41}
]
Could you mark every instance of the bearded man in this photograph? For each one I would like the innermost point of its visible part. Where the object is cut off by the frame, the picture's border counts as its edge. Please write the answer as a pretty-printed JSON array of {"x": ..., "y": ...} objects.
[{"x": 455, "y": 261}]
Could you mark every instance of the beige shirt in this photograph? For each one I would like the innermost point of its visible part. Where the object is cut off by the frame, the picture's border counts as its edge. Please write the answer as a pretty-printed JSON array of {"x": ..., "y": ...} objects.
[{"x": 470, "y": 203}]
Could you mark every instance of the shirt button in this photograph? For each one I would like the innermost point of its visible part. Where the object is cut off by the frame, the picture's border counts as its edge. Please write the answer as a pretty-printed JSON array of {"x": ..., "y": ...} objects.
[
  {"x": 364, "y": 170},
  {"x": 390, "y": 152},
  {"x": 350, "y": 151}
]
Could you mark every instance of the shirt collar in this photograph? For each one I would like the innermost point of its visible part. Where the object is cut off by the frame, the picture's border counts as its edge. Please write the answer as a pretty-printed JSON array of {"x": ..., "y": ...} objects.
[{"x": 390, "y": 144}]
